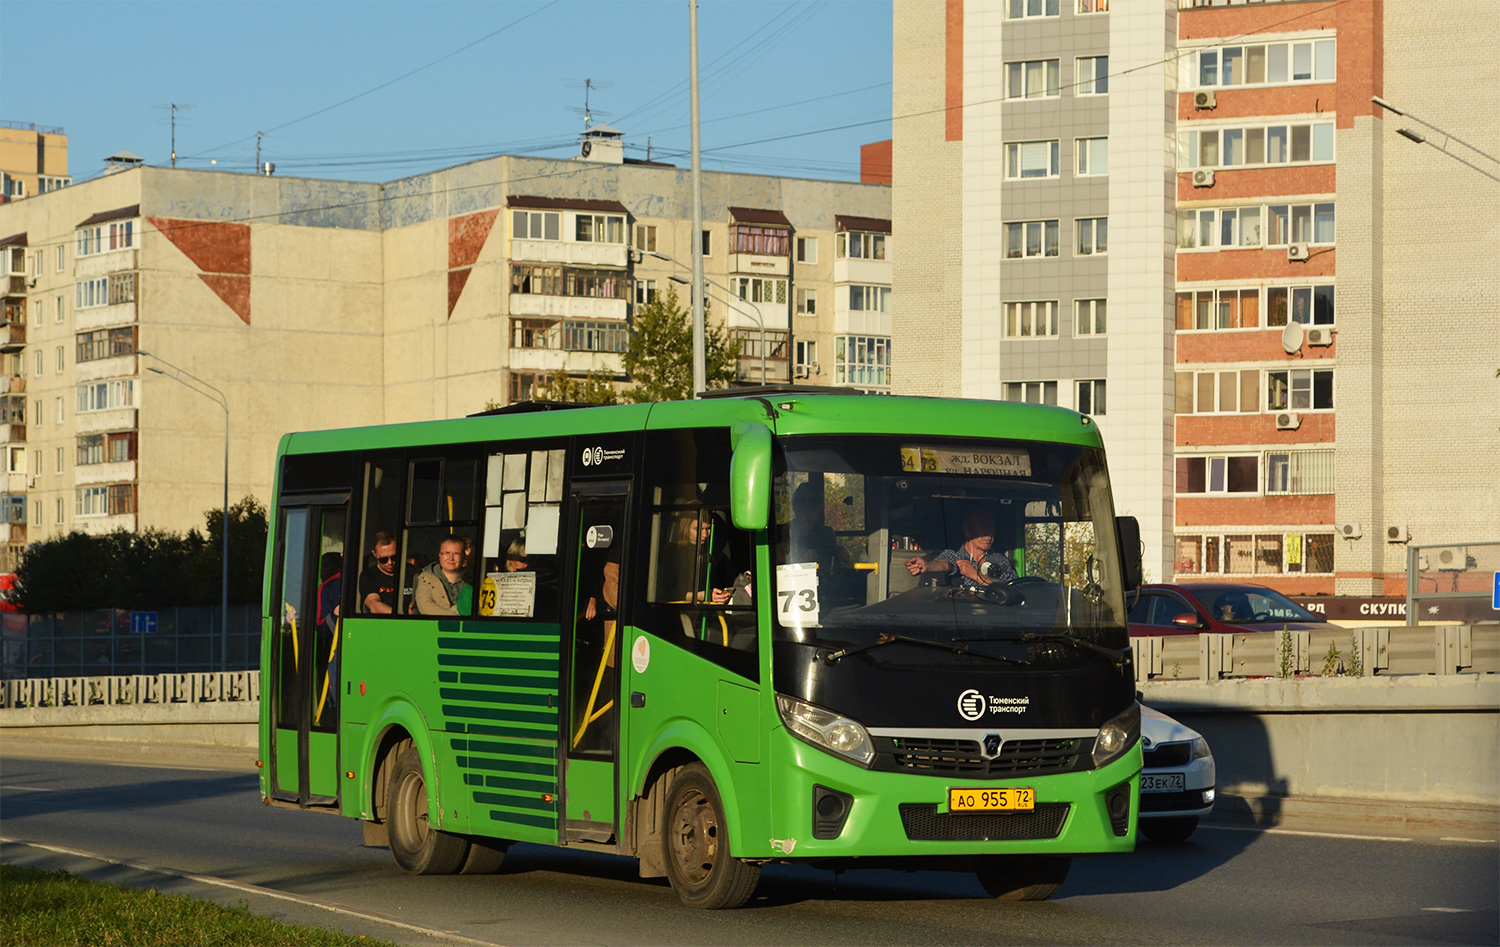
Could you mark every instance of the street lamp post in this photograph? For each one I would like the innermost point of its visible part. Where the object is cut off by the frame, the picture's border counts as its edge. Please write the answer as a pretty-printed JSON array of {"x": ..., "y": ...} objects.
[
  {"x": 182, "y": 377},
  {"x": 1419, "y": 138},
  {"x": 728, "y": 298}
]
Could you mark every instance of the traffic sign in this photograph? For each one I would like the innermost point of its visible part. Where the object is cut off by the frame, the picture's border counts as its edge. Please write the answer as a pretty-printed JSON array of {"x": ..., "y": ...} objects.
[{"x": 143, "y": 623}]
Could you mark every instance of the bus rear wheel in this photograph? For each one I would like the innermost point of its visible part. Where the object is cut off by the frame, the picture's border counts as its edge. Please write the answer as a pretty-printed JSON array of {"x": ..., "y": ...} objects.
[
  {"x": 1023, "y": 877},
  {"x": 696, "y": 845},
  {"x": 416, "y": 845}
]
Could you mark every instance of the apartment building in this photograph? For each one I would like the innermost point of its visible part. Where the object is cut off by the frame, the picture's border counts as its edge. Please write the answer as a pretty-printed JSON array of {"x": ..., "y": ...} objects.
[
  {"x": 1190, "y": 221},
  {"x": 311, "y": 304},
  {"x": 33, "y": 159}
]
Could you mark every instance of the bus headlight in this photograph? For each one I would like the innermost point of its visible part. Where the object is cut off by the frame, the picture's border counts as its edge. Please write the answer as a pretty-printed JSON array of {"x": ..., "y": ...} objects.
[
  {"x": 826, "y": 730},
  {"x": 1117, "y": 736}
]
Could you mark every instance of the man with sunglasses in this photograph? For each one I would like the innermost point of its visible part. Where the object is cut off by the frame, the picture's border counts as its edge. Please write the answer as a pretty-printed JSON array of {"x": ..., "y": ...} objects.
[{"x": 377, "y": 583}]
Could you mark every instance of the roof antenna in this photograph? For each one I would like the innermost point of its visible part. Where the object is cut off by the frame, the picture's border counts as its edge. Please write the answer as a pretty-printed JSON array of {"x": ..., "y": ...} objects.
[{"x": 587, "y": 85}]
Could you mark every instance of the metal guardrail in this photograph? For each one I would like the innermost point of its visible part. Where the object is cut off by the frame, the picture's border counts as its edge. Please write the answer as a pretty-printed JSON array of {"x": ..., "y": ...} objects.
[
  {"x": 1357, "y": 652},
  {"x": 131, "y": 689}
]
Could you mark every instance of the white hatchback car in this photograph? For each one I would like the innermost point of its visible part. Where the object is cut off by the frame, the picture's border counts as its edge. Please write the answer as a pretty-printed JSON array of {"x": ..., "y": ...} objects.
[{"x": 1177, "y": 778}]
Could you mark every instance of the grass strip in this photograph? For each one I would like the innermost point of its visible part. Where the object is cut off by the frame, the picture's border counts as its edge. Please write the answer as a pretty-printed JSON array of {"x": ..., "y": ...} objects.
[{"x": 54, "y": 909}]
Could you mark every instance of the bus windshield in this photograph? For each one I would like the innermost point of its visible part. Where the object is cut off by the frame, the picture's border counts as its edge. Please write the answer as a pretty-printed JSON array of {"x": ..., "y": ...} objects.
[{"x": 952, "y": 541}]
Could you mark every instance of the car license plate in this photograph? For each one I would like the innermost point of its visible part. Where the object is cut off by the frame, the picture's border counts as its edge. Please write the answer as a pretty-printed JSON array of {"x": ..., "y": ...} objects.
[
  {"x": 1009, "y": 799},
  {"x": 1162, "y": 782}
]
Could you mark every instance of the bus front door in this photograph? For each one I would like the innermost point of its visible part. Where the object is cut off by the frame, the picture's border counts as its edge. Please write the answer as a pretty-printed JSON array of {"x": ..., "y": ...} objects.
[
  {"x": 304, "y": 665},
  {"x": 597, "y": 520}
]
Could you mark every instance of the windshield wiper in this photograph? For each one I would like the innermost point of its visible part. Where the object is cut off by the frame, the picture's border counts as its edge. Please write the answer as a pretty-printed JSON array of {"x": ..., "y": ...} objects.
[
  {"x": 1110, "y": 653},
  {"x": 834, "y": 657}
]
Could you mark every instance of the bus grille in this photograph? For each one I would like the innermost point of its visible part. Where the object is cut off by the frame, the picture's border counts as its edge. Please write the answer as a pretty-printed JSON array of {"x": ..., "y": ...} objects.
[
  {"x": 923, "y": 823},
  {"x": 962, "y": 757},
  {"x": 1168, "y": 754}
]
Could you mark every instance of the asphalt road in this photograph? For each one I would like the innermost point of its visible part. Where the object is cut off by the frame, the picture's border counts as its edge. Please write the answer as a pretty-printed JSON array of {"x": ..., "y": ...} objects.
[{"x": 204, "y": 832}]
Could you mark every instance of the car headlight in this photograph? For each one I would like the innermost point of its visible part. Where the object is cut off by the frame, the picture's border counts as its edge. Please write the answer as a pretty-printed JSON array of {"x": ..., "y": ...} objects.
[
  {"x": 1200, "y": 749},
  {"x": 826, "y": 730},
  {"x": 1118, "y": 735}
]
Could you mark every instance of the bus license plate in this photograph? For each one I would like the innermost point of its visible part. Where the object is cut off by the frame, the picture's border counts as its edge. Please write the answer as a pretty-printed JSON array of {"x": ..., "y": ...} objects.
[{"x": 1010, "y": 799}]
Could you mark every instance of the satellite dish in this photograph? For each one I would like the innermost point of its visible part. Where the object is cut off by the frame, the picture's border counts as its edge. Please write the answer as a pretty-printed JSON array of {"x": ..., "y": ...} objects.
[
  {"x": 1291, "y": 337},
  {"x": 588, "y": 146}
]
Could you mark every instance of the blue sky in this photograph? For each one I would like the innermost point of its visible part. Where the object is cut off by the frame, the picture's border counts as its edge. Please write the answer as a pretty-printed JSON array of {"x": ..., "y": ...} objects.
[{"x": 380, "y": 90}]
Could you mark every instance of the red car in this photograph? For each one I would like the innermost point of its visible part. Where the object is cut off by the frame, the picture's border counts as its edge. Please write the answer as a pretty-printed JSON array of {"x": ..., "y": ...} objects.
[{"x": 1218, "y": 607}]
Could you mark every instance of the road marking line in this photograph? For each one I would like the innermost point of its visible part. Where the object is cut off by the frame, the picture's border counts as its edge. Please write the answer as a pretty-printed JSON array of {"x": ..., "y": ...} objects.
[
  {"x": 257, "y": 889},
  {"x": 1451, "y": 910},
  {"x": 1252, "y": 828},
  {"x": 28, "y": 788},
  {"x": 1459, "y": 838}
]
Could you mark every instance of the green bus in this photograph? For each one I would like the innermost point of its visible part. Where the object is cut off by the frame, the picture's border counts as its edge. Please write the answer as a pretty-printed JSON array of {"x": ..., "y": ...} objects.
[{"x": 779, "y": 625}]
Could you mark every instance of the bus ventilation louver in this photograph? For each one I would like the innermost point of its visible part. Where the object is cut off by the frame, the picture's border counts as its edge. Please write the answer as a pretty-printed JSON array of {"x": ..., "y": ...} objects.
[{"x": 963, "y": 757}]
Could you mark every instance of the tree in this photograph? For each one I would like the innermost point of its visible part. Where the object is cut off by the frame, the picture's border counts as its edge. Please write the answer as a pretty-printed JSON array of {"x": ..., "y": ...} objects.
[
  {"x": 596, "y": 387},
  {"x": 659, "y": 356}
]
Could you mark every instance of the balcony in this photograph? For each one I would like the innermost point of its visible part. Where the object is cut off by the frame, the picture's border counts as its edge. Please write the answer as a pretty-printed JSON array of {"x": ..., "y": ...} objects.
[
  {"x": 101, "y": 317},
  {"x": 12, "y": 533},
  {"x": 570, "y": 251},
  {"x": 760, "y": 264},
  {"x": 547, "y": 361},
  {"x": 104, "y": 525},
  {"x": 847, "y": 270},
  {"x": 120, "y": 470},
  {"x": 567, "y": 307},
  {"x": 13, "y": 334},
  {"x": 12, "y": 433},
  {"x": 98, "y": 422},
  {"x": 13, "y": 286}
]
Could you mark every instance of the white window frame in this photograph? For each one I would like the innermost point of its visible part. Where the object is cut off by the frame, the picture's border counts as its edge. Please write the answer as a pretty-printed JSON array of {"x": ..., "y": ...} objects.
[
  {"x": 645, "y": 237},
  {"x": 1045, "y": 392},
  {"x": 1088, "y": 155},
  {"x": 862, "y": 295},
  {"x": 1090, "y": 397},
  {"x": 807, "y": 250},
  {"x": 106, "y": 395},
  {"x": 1303, "y": 381},
  {"x": 1019, "y": 77},
  {"x": 862, "y": 360},
  {"x": 1303, "y": 296},
  {"x": 861, "y": 245},
  {"x": 540, "y": 221},
  {"x": 1216, "y": 474},
  {"x": 1091, "y": 236},
  {"x": 91, "y": 500},
  {"x": 1091, "y": 72},
  {"x": 1017, "y": 152},
  {"x": 1090, "y": 7},
  {"x": 610, "y": 225},
  {"x": 62, "y": 255},
  {"x": 1032, "y": 9},
  {"x": 1217, "y": 386},
  {"x": 1090, "y": 317},
  {"x": 1031, "y": 319},
  {"x": 760, "y": 289},
  {"x": 807, "y": 355},
  {"x": 91, "y": 293},
  {"x": 1204, "y": 67},
  {"x": 1201, "y": 142},
  {"x": 645, "y": 291},
  {"x": 1220, "y": 307},
  {"x": 1018, "y": 239},
  {"x": 1299, "y": 472},
  {"x": 60, "y": 360},
  {"x": 807, "y": 301}
]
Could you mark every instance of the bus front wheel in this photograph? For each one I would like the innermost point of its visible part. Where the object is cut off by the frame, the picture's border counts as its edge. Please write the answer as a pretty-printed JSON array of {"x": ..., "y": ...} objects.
[
  {"x": 417, "y": 846},
  {"x": 1023, "y": 877},
  {"x": 696, "y": 845}
]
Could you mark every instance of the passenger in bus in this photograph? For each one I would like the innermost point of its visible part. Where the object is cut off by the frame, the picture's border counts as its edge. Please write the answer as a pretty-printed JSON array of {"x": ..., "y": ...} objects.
[
  {"x": 377, "y": 583},
  {"x": 968, "y": 561},
  {"x": 515, "y": 556},
  {"x": 702, "y": 540},
  {"x": 440, "y": 584}
]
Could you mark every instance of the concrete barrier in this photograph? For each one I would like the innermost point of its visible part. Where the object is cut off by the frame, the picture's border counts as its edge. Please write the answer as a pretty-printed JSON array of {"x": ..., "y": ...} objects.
[{"x": 213, "y": 709}]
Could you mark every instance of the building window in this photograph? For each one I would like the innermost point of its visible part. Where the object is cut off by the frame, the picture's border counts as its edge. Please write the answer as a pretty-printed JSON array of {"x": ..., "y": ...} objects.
[
  {"x": 40, "y": 359},
  {"x": 1032, "y": 80},
  {"x": 1309, "y": 305},
  {"x": 12, "y": 409},
  {"x": 1093, "y": 236},
  {"x": 1031, "y": 159},
  {"x": 1092, "y": 6},
  {"x": 1218, "y": 309},
  {"x": 645, "y": 292},
  {"x": 535, "y": 225},
  {"x": 1261, "y": 64},
  {"x": 770, "y": 241},
  {"x": 758, "y": 289},
  {"x": 858, "y": 245},
  {"x": 106, "y": 395},
  {"x": 807, "y": 357},
  {"x": 91, "y": 501},
  {"x": 1260, "y": 553},
  {"x": 1093, "y": 156},
  {"x": 15, "y": 460},
  {"x": 57, "y": 412},
  {"x": 90, "y": 293},
  {"x": 1031, "y": 238},
  {"x": 1300, "y": 223},
  {"x": 60, "y": 511},
  {"x": 1255, "y": 146},
  {"x": 1224, "y": 227},
  {"x": 1300, "y": 389},
  {"x": 870, "y": 298},
  {"x": 104, "y": 343},
  {"x": 36, "y": 513},
  {"x": 1299, "y": 472},
  {"x": 599, "y": 228},
  {"x": 1031, "y": 320},
  {"x": 543, "y": 280},
  {"x": 1031, "y": 392},
  {"x": 62, "y": 459},
  {"x": 807, "y": 302},
  {"x": 36, "y": 410},
  {"x": 121, "y": 498},
  {"x": 645, "y": 237},
  {"x": 62, "y": 256},
  {"x": 862, "y": 360},
  {"x": 1093, "y": 75},
  {"x": 1089, "y": 317},
  {"x": 534, "y": 334},
  {"x": 119, "y": 448},
  {"x": 121, "y": 288},
  {"x": 1019, "y": 9},
  {"x": 524, "y": 386},
  {"x": 579, "y": 336},
  {"x": 90, "y": 450},
  {"x": 807, "y": 249},
  {"x": 1091, "y": 397},
  {"x": 708, "y": 243},
  {"x": 61, "y": 315},
  {"x": 1221, "y": 474},
  {"x": 1218, "y": 392}
]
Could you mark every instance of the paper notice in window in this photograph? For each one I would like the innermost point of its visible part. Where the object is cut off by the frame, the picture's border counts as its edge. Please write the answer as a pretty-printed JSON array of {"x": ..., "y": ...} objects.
[
  {"x": 979, "y": 463},
  {"x": 797, "y": 595},
  {"x": 509, "y": 594}
]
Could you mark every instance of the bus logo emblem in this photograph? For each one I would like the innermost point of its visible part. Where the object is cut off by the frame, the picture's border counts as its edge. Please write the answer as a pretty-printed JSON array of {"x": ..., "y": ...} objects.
[
  {"x": 971, "y": 704},
  {"x": 991, "y": 745}
]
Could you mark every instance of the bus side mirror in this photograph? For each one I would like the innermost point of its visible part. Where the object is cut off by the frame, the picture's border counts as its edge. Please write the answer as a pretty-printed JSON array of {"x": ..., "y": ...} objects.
[
  {"x": 1128, "y": 532},
  {"x": 750, "y": 476}
]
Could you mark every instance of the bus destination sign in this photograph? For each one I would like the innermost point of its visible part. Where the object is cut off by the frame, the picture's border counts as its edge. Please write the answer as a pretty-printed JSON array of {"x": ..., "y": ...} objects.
[{"x": 980, "y": 463}]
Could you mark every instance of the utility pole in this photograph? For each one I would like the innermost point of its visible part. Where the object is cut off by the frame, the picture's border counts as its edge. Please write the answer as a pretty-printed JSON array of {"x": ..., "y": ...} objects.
[
  {"x": 173, "y": 108},
  {"x": 700, "y": 362}
]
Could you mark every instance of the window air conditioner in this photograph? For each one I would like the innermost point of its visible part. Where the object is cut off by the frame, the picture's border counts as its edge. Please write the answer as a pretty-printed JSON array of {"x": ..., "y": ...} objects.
[
  {"x": 801, "y": 371},
  {"x": 1203, "y": 178},
  {"x": 1350, "y": 530},
  {"x": 1319, "y": 336},
  {"x": 1288, "y": 421},
  {"x": 1205, "y": 100},
  {"x": 1397, "y": 534},
  {"x": 1445, "y": 559},
  {"x": 1296, "y": 252}
]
